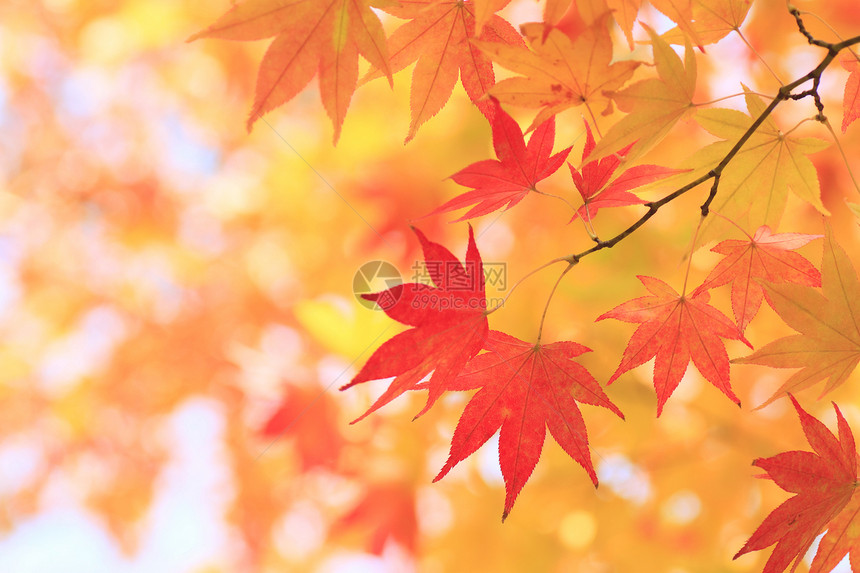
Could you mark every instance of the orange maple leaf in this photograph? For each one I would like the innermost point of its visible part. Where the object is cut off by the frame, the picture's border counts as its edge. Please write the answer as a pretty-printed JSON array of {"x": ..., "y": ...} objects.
[
  {"x": 828, "y": 345},
  {"x": 438, "y": 36},
  {"x": 555, "y": 10},
  {"x": 484, "y": 9},
  {"x": 767, "y": 256},
  {"x": 559, "y": 73},
  {"x": 311, "y": 36},
  {"x": 625, "y": 12},
  {"x": 574, "y": 18},
  {"x": 676, "y": 329}
]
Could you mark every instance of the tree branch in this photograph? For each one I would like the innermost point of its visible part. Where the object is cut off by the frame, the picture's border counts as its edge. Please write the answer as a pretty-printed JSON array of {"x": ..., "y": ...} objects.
[{"x": 784, "y": 93}]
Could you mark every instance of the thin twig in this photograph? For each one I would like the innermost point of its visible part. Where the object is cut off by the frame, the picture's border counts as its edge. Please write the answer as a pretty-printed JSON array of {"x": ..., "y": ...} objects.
[
  {"x": 549, "y": 299},
  {"x": 719, "y": 99},
  {"x": 760, "y": 58},
  {"x": 800, "y": 26},
  {"x": 829, "y": 127},
  {"x": 519, "y": 282},
  {"x": 559, "y": 197},
  {"x": 690, "y": 255}
]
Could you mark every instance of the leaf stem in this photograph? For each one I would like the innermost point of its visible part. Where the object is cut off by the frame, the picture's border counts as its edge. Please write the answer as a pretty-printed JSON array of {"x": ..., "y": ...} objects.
[
  {"x": 690, "y": 255},
  {"x": 589, "y": 225},
  {"x": 829, "y": 127},
  {"x": 761, "y": 59},
  {"x": 520, "y": 281},
  {"x": 799, "y": 123},
  {"x": 593, "y": 120},
  {"x": 741, "y": 229},
  {"x": 719, "y": 99},
  {"x": 559, "y": 197},
  {"x": 549, "y": 298}
]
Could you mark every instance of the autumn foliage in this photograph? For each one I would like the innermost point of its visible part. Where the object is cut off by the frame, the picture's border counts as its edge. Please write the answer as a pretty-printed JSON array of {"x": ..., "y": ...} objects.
[{"x": 435, "y": 206}]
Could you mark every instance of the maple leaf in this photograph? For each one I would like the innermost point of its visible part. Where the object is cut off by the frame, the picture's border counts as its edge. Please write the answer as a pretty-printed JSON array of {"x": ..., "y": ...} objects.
[
  {"x": 593, "y": 180},
  {"x": 438, "y": 36},
  {"x": 828, "y": 345},
  {"x": 385, "y": 511},
  {"x": 851, "y": 99},
  {"x": 680, "y": 12},
  {"x": 525, "y": 388},
  {"x": 311, "y": 36},
  {"x": 574, "y": 18},
  {"x": 448, "y": 320},
  {"x": 625, "y": 12},
  {"x": 855, "y": 210},
  {"x": 765, "y": 256},
  {"x": 676, "y": 328},
  {"x": 754, "y": 187},
  {"x": 843, "y": 536},
  {"x": 554, "y": 10},
  {"x": 824, "y": 481},
  {"x": 318, "y": 441},
  {"x": 712, "y": 21},
  {"x": 484, "y": 9},
  {"x": 654, "y": 105},
  {"x": 504, "y": 182},
  {"x": 559, "y": 73}
]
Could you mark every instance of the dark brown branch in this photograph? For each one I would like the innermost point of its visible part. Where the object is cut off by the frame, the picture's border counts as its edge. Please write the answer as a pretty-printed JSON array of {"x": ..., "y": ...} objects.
[
  {"x": 784, "y": 93},
  {"x": 800, "y": 26}
]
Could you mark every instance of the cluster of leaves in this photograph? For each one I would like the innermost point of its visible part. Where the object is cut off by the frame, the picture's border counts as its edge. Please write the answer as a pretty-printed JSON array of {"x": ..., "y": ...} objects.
[{"x": 522, "y": 387}]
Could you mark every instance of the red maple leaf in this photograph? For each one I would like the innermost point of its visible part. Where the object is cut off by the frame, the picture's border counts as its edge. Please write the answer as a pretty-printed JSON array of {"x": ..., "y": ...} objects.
[
  {"x": 824, "y": 481},
  {"x": 842, "y": 537},
  {"x": 851, "y": 98},
  {"x": 386, "y": 511},
  {"x": 767, "y": 256},
  {"x": 449, "y": 322},
  {"x": 676, "y": 328},
  {"x": 593, "y": 180},
  {"x": 317, "y": 439},
  {"x": 525, "y": 388},
  {"x": 504, "y": 182}
]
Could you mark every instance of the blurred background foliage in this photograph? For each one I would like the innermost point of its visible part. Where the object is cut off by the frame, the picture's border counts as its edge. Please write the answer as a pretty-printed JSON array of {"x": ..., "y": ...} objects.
[{"x": 177, "y": 315}]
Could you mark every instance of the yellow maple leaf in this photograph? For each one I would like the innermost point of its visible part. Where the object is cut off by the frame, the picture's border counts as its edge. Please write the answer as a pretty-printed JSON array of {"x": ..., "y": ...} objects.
[
  {"x": 753, "y": 188},
  {"x": 712, "y": 21},
  {"x": 655, "y": 105}
]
